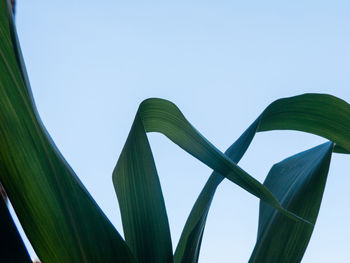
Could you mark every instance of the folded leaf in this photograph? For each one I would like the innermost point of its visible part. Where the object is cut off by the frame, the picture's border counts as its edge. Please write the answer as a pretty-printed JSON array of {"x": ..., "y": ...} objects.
[
  {"x": 298, "y": 182},
  {"x": 60, "y": 218}
]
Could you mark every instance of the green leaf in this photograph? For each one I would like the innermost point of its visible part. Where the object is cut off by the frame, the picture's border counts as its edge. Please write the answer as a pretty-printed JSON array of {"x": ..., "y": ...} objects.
[
  {"x": 60, "y": 218},
  {"x": 11, "y": 245},
  {"x": 320, "y": 114},
  {"x": 136, "y": 180},
  {"x": 189, "y": 244},
  {"x": 298, "y": 182},
  {"x": 162, "y": 116},
  {"x": 141, "y": 203}
]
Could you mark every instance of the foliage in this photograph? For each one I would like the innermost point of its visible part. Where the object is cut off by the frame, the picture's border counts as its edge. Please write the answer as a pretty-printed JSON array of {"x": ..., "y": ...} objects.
[{"x": 64, "y": 223}]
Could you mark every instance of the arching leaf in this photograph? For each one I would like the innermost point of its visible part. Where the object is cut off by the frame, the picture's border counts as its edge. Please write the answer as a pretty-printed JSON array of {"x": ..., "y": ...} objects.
[
  {"x": 136, "y": 181},
  {"x": 320, "y": 114}
]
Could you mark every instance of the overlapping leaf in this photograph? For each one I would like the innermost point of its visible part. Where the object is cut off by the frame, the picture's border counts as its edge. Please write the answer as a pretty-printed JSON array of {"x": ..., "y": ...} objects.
[
  {"x": 49, "y": 199},
  {"x": 190, "y": 241},
  {"x": 320, "y": 114},
  {"x": 298, "y": 182},
  {"x": 63, "y": 222},
  {"x": 136, "y": 181}
]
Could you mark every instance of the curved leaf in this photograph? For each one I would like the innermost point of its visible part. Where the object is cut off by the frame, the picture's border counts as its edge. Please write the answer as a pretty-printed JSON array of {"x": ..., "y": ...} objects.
[
  {"x": 162, "y": 116},
  {"x": 189, "y": 244},
  {"x": 60, "y": 218},
  {"x": 145, "y": 222},
  {"x": 298, "y": 182},
  {"x": 142, "y": 208},
  {"x": 320, "y": 114}
]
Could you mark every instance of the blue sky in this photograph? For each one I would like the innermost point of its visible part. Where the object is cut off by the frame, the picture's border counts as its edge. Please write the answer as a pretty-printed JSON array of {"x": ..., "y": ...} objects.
[{"x": 222, "y": 62}]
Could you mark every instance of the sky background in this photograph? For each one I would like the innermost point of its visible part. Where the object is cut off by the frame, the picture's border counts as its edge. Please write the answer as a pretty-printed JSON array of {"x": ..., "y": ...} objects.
[{"x": 222, "y": 62}]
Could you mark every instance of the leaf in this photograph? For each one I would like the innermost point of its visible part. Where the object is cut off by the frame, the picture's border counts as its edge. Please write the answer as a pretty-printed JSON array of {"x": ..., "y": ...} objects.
[
  {"x": 320, "y": 114},
  {"x": 141, "y": 203},
  {"x": 298, "y": 182},
  {"x": 136, "y": 181},
  {"x": 189, "y": 244},
  {"x": 162, "y": 116},
  {"x": 48, "y": 197},
  {"x": 60, "y": 218},
  {"x": 11, "y": 245}
]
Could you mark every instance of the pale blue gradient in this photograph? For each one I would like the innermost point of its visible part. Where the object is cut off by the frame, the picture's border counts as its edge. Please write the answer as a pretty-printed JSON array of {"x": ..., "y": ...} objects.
[{"x": 222, "y": 62}]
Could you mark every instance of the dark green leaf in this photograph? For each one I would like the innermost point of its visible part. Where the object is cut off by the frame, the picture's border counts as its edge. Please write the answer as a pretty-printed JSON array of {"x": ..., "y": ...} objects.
[
  {"x": 320, "y": 114},
  {"x": 162, "y": 116},
  {"x": 60, "y": 218},
  {"x": 187, "y": 250},
  {"x": 298, "y": 182},
  {"x": 142, "y": 208},
  {"x": 141, "y": 203}
]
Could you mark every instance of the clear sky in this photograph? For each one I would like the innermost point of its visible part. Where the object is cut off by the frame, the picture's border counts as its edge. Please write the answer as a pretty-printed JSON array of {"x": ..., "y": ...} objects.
[{"x": 222, "y": 62}]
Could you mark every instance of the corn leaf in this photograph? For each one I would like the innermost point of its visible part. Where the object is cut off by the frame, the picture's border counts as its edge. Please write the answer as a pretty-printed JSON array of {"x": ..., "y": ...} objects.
[
  {"x": 137, "y": 185},
  {"x": 144, "y": 217},
  {"x": 189, "y": 244},
  {"x": 60, "y": 218},
  {"x": 11, "y": 245},
  {"x": 298, "y": 182},
  {"x": 320, "y": 114}
]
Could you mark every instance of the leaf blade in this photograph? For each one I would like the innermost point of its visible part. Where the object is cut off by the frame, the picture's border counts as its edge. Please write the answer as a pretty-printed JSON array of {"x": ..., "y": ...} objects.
[
  {"x": 189, "y": 244},
  {"x": 320, "y": 114},
  {"x": 162, "y": 116},
  {"x": 49, "y": 199},
  {"x": 158, "y": 115},
  {"x": 298, "y": 182},
  {"x": 141, "y": 202},
  {"x": 278, "y": 115}
]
